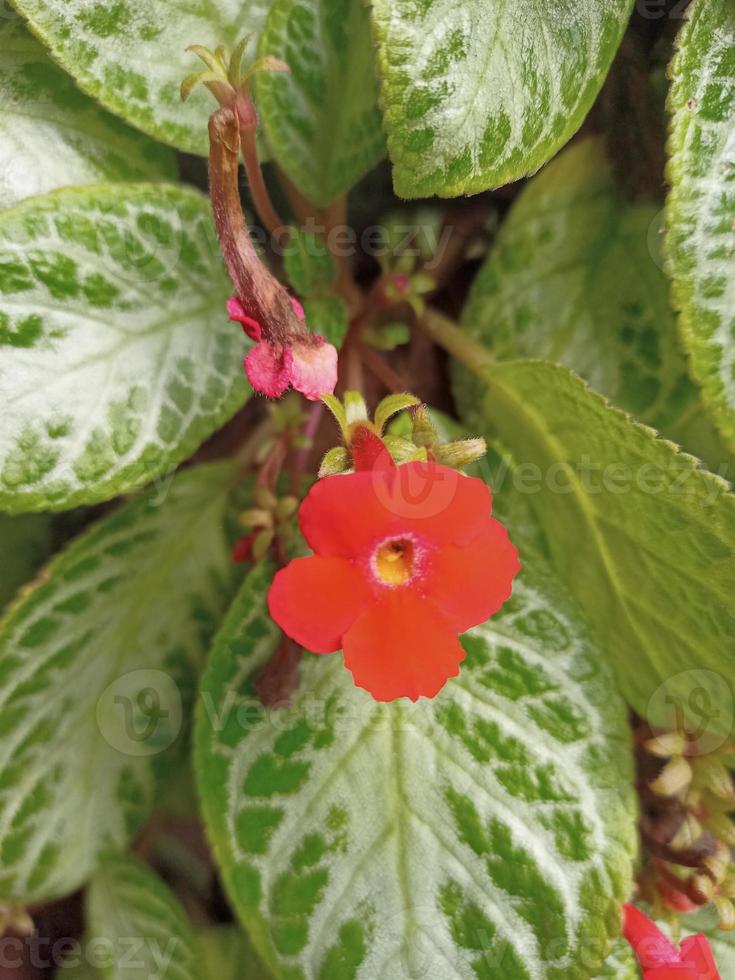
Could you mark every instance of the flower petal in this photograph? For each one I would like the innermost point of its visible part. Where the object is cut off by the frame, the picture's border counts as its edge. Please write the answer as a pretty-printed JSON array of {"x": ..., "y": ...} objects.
[
  {"x": 342, "y": 516},
  {"x": 402, "y": 647},
  {"x": 264, "y": 366},
  {"x": 312, "y": 367},
  {"x": 315, "y": 600},
  {"x": 348, "y": 514},
  {"x": 434, "y": 501},
  {"x": 696, "y": 952},
  {"x": 651, "y": 947},
  {"x": 471, "y": 583},
  {"x": 236, "y": 312}
]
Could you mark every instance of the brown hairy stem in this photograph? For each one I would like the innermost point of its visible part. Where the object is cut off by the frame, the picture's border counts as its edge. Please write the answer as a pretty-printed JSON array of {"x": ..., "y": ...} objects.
[{"x": 263, "y": 296}]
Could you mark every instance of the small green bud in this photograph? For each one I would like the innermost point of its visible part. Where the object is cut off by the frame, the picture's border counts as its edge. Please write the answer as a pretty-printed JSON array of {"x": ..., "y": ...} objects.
[
  {"x": 673, "y": 779},
  {"x": 255, "y": 517},
  {"x": 265, "y": 498},
  {"x": 335, "y": 461},
  {"x": 460, "y": 454},
  {"x": 726, "y": 912},
  {"x": 424, "y": 433},
  {"x": 667, "y": 744},
  {"x": 689, "y": 832},
  {"x": 286, "y": 507},
  {"x": 261, "y": 544},
  {"x": 392, "y": 405},
  {"x": 355, "y": 408}
]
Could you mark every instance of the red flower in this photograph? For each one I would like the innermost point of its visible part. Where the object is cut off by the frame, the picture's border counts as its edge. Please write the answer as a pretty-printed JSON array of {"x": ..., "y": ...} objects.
[
  {"x": 658, "y": 956},
  {"x": 405, "y": 558},
  {"x": 306, "y": 363}
]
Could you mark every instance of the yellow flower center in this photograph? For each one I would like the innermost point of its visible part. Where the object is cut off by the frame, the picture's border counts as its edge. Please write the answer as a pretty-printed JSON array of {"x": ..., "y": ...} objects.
[{"x": 394, "y": 561}]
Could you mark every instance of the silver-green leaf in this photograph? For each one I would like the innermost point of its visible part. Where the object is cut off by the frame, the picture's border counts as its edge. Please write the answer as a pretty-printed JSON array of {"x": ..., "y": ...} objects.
[
  {"x": 573, "y": 278},
  {"x": 51, "y": 135},
  {"x": 116, "y": 356},
  {"x": 485, "y": 834},
  {"x": 480, "y": 93},
  {"x": 700, "y": 213},
  {"x": 137, "y": 926},
  {"x": 642, "y": 536},
  {"x": 97, "y": 669},
  {"x": 321, "y": 119},
  {"x": 132, "y": 56}
]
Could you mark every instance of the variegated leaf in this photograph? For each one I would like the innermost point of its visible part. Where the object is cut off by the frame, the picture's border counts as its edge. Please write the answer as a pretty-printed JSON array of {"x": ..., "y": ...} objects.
[
  {"x": 116, "y": 356},
  {"x": 51, "y": 135},
  {"x": 700, "y": 214},
  {"x": 137, "y": 927},
  {"x": 97, "y": 668},
  {"x": 321, "y": 119},
  {"x": 642, "y": 536},
  {"x": 573, "y": 278},
  {"x": 480, "y": 93},
  {"x": 485, "y": 834},
  {"x": 132, "y": 56}
]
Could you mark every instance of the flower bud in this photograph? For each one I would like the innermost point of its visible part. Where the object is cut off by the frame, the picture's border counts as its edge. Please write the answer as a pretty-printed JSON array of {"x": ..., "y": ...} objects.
[
  {"x": 673, "y": 779},
  {"x": 334, "y": 461},
  {"x": 667, "y": 744}
]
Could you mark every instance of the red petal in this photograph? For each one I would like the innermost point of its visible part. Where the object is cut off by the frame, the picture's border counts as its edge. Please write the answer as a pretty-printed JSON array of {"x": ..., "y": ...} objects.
[
  {"x": 651, "y": 947},
  {"x": 697, "y": 952},
  {"x": 402, "y": 647},
  {"x": 236, "y": 312},
  {"x": 266, "y": 371},
  {"x": 346, "y": 515},
  {"x": 342, "y": 516},
  {"x": 243, "y": 549},
  {"x": 435, "y": 501},
  {"x": 471, "y": 583},
  {"x": 315, "y": 600}
]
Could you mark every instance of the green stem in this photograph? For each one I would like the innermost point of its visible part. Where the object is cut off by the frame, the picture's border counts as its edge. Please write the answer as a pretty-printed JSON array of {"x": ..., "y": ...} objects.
[{"x": 448, "y": 335}]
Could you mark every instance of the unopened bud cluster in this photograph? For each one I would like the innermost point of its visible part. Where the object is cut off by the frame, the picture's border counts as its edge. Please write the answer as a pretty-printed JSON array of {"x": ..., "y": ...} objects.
[
  {"x": 687, "y": 824},
  {"x": 360, "y": 432}
]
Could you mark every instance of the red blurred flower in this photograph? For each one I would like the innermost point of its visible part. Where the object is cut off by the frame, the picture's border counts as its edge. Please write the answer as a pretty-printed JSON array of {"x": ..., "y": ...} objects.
[
  {"x": 658, "y": 956},
  {"x": 306, "y": 362},
  {"x": 405, "y": 558}
]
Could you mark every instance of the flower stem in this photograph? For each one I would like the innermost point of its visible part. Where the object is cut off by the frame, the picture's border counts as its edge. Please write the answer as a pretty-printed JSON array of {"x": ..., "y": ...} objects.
[
  {"x": 448, "y": 335},
  {"x": 264, "y": 297},
  {"x": 258, "y": 191}
]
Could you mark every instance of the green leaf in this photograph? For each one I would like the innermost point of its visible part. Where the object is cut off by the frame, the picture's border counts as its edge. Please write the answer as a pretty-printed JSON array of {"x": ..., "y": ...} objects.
[
  {"x": 700, "y": 214},
  {"x": 643, "y": 538},
  {"x": 621, "y": 963},
  {"x": 25, "y": 542},
  {"x": 133, "y": 58},
  {"x": 488, "y": 831},
  {"x": 51, "y": 135},
  {"x": 572, "y": 279},
  {"x": 225, "y": 953},
  {"x": 480, "y": 93},
  {"x": 97, "y": 669},
  {"x": 138, "y": 925},
  {"x": 308, "y": 263},
  {"x": 321, "y": 120},
  {"x": 328, "y": 317},
  {"x": 116, "y": 356}
]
